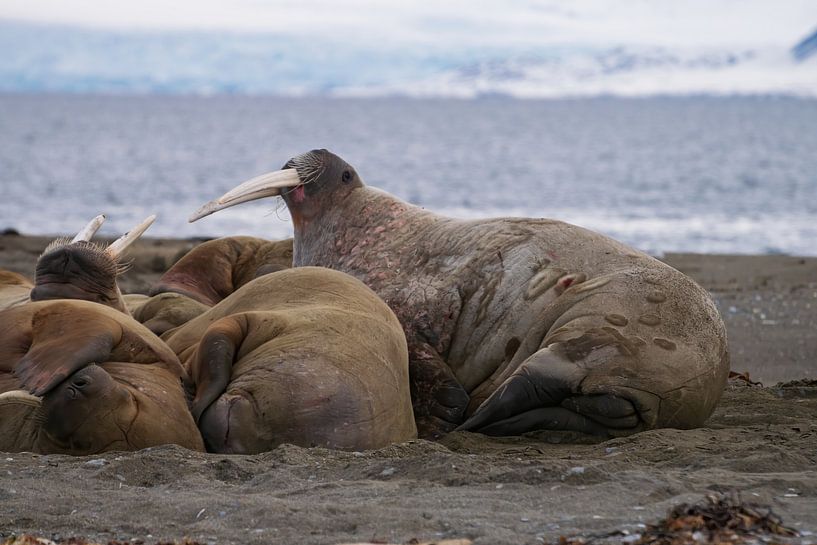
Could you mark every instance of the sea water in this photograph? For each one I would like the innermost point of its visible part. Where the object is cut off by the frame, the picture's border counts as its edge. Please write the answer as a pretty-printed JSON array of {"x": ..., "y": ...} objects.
[{"x": 696, "y": 174}]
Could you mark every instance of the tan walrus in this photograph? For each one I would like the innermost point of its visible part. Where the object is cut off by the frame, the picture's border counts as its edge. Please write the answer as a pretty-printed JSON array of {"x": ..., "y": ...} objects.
[
  {"x": 307, "y": 356},
  {"x": 14, "y": 289},
  {"x": 512, "y": 323},
  {"x": 207, "y": 274},
  {"x": 214, "y": 269},
  {"x": 80, "y": 378}
]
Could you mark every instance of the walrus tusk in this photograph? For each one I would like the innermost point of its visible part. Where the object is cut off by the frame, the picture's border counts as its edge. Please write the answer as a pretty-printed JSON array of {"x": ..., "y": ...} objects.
[
  {"x": 121, "y": 244},
  {"x": 20, "y": 396},
  {"x": 266, "y": 185},
  {"x": 89, "y": 230}
]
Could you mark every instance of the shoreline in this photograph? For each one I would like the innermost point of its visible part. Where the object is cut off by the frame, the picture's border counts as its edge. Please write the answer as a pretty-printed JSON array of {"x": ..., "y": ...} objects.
[{"x": 768, "y": 302}]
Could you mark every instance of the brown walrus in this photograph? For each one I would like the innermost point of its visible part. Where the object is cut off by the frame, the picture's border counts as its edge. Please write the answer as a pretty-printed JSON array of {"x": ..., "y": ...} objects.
[
  {"x": 307, "y": 356},
  {"x": 205, "y": 275},
  {"x": 214, "y": 269},
  {"x": 80, "y": 269},
  {"x": 514, "y": 324},
  {"x": 14, "y": 289},
  {"x": 79, "y": 378}
]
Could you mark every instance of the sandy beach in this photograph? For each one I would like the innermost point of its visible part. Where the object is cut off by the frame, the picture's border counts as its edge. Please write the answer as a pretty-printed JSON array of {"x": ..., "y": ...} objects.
[{"x": 761, "y": 442}]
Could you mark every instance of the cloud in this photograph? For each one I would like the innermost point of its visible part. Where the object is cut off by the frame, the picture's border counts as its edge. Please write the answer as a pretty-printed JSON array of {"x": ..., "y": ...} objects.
[{"x": 472, "y": 23}]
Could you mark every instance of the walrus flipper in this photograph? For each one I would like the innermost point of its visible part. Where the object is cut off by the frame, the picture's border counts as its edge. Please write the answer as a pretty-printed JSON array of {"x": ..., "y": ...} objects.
[
  {"x": 213, "y": 364},
  {"x": 439, "y": 400},
  {"x": 64, "y": 341},
  {"x": 544, "y": 393}
]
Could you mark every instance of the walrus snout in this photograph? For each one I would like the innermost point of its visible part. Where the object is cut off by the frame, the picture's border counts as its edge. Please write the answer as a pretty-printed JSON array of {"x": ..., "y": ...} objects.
[
  {"x": 89, "y": 396},
  {"x": 78, "y": 264}
]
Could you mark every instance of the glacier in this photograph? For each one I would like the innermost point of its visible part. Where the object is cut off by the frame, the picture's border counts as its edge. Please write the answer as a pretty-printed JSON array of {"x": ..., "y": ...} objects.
[{"x": 42, "y": 58}]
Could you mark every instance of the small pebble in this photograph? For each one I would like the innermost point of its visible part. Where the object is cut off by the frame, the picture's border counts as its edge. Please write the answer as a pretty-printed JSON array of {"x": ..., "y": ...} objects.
[{"x": 97, "y": 462}]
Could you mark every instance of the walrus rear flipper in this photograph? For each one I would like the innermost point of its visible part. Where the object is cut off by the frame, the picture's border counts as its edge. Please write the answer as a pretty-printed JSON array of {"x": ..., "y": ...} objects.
[
  {"x": 64, "y": 340},
  {"x": 544, "y": 393},
  {"x": 213, "y": 364}
]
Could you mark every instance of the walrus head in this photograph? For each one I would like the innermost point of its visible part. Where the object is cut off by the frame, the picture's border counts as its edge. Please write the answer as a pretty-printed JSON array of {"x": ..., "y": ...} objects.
[
  {"x": 86, "y": 413},
  {"x": 308, "y": 183},
  {"x": 80, "y": 269}
]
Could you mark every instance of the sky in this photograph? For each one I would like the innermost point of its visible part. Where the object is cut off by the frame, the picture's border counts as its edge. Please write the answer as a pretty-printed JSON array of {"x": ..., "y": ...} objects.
[
  {"x": 465, "y": 22},
  {"x": 422, "y": 48}
]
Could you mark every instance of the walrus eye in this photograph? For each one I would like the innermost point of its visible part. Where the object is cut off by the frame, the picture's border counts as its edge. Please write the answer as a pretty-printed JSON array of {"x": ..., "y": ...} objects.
[{"x": 346, "y": 177}]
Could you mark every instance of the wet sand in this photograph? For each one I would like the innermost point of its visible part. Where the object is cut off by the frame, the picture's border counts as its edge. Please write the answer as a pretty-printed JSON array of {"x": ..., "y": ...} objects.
[{"x": 761, "y": 442}]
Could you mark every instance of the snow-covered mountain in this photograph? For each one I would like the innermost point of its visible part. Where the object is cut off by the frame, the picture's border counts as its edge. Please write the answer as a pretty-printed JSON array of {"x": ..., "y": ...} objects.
[{"x": 48, "y": 58}]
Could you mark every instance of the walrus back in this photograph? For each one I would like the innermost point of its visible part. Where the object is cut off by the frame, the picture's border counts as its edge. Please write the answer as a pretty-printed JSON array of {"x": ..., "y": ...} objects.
[{"x": 316, "y": 358}]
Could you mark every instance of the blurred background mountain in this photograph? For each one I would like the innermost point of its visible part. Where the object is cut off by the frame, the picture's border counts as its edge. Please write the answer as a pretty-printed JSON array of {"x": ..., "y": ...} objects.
[{"x": 450, "y": 49}]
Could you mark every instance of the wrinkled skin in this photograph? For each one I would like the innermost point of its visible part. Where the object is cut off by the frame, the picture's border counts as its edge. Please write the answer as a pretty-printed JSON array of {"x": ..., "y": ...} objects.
[
  {"x": 306, "y": 356},
  {"x": 105, "y": 382},
  {"x": 165, "y": 311},
  {"x": 14, "y": 289},
  {"x": 214, "y": 269},
  {"x": 516, "y": 324},
  {"x": 204, "y": 276},
  {"x": 79, "y": 270}
]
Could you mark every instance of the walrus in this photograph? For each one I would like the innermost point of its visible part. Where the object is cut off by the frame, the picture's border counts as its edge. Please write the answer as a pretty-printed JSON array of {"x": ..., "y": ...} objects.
[
  {"x": 307, "y": 356},
  {"x": 205, "y": 275},
  {"x": 78, "y": 377},
  {"x": 81, "y": 269},
  {"x": 14, "y": 289},
  {"x": 512, "y": 324},
  {"x": 214, "y": 269}
]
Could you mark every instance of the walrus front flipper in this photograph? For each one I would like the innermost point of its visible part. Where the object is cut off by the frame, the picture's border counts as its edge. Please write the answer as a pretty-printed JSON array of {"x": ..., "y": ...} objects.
[
  {"x": 64, "y": 340},
  {"x": 439, "y": 400},
  {"x": 546, "y": 418},
  {"x": 544, "y": 393},
  {"x": 213, "y": 364}
]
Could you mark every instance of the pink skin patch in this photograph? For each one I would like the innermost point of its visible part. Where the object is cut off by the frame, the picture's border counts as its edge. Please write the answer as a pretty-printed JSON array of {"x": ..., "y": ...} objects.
[
  {"x": 567, "y": 281},
  {"x": 299, "y": 194}
]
